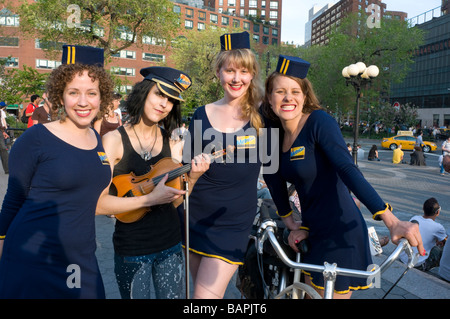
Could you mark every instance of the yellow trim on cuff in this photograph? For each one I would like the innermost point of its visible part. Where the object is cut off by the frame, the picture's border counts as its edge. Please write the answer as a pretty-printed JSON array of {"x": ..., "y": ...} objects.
[
  {"x": 2, "y": 237},
  {"x": 377, "y": 215},
  {"x": 304, "y": 228},
  {"x": 287, "y": 215}
]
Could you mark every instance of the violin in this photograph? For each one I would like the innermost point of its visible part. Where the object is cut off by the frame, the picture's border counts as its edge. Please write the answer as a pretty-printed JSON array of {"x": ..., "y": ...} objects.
[{"x": 130, "y": 185}]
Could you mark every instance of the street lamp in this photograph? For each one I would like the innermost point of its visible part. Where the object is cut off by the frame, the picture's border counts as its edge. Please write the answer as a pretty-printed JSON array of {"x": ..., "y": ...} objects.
[{"x": 358, "y": 75}]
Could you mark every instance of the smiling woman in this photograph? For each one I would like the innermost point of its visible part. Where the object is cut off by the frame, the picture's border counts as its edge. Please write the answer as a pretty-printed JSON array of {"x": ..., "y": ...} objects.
[{"x": 57, "y": 172}]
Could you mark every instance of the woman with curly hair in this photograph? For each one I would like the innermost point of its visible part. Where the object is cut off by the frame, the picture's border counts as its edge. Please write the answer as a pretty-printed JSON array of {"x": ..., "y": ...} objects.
[
  {"x": 57, "y": 172},
  {"x": 223, "y": 206}
]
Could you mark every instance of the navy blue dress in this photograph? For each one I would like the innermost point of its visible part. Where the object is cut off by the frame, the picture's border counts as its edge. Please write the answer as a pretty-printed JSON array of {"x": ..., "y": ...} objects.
[
  {"x": 223, "y": 202},
  {"x": 47, "y": 218},
  {"x": 322, "y": 170}
]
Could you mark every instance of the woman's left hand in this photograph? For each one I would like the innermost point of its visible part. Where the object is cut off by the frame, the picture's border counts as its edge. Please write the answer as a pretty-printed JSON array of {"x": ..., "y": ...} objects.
[
  {"x": 199, "y": 165},
  {"x": 403, "y": 229}
]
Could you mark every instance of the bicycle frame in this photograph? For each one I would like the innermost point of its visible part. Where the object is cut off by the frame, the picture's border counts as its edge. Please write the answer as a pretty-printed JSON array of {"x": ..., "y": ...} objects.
[{"x": 267, "y": 230}]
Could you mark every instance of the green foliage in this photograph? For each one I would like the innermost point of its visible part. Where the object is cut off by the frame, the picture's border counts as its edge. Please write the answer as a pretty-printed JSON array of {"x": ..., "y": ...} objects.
[
  {"x": 195, "y": 53},
  {"x": 113, "y": 25},
  {"x": 17, "y": 83}
]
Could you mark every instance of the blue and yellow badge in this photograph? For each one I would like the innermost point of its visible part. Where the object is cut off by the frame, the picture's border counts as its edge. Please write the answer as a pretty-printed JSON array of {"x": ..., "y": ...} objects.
[
  {"x": 297, "y": 153},
  {"x": 103, "y": 158},
  {"x": 246, "y": 141}
]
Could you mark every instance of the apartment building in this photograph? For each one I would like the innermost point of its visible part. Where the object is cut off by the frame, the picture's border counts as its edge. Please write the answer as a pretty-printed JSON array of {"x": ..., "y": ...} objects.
[
  {"x": 261, "y": 18},
  {"x": 329, "y": 19}
]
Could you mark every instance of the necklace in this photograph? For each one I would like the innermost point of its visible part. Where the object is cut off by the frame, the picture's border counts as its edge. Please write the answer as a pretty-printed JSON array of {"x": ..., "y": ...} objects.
[{"x": 146, "y": 155}]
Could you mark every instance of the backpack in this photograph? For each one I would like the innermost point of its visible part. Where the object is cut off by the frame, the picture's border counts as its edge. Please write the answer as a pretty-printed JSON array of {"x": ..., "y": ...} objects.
[{"x": 24, "y": 117}]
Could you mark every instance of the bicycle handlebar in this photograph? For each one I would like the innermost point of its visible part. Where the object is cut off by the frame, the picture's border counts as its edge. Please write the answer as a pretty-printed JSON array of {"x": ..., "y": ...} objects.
[{"x": 268, "y": 231}]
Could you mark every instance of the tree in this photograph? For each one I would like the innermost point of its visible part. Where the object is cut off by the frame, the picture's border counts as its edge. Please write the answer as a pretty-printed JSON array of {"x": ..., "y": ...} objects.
[
  {"x": 390, "y": 47},
  {"x": 113, "y": 25},
  {"x": 194, "y": 53},
  {"x": 17, "y": 84}
]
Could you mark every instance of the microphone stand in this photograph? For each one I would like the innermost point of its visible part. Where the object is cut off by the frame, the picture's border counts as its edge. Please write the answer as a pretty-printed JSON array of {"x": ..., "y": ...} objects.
[{"x": 186, "y": 234}]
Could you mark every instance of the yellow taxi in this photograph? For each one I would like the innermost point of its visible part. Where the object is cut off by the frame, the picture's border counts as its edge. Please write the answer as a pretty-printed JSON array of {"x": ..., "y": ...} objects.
[{"x": 408, "y": 141}]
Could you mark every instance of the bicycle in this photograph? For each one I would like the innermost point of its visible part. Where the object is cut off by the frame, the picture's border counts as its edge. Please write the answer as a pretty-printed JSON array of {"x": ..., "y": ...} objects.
[{"x": 283, "y": 274}]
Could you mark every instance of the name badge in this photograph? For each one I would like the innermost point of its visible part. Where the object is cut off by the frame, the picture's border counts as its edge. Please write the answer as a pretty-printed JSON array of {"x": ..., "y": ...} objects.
[
  {"x": 297, "y": 153},
  {"x": 103, "y": 158},
  {"x": 247, "y": 141}
]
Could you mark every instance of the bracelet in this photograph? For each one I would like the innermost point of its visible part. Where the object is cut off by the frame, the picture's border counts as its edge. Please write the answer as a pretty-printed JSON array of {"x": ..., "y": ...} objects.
[
  {"x": 287, "y": 215},
  {"x": 377, "y": 215}
]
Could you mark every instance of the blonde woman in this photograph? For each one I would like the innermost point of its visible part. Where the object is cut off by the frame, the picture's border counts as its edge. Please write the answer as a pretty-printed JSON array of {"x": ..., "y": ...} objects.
[{"x": 223, "y": 206}]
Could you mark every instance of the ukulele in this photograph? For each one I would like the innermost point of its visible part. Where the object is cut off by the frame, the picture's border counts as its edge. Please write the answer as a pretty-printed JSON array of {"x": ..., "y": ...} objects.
[{"x": 130, "y": 185}]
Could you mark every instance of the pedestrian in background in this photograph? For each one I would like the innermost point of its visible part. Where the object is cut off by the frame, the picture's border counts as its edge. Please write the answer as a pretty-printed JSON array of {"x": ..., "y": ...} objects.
[
  {"x": 57, "y": 172},
  {"x": 42, "y": 114},
  {"x": 31, "y": 107},
  {"x": 433, "y": 235},
  {"x": 397, "y": 155},
  {"x": 4, "y": 155}
]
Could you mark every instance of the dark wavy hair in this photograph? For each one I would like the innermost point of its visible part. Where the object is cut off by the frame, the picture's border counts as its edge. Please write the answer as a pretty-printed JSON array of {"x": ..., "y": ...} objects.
[
  {"x": 65, "y": 73},
  {"x": 135, "y": 104}
]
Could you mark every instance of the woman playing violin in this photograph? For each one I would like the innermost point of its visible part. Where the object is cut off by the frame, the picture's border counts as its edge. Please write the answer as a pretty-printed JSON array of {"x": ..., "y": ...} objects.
[{"x": 150, "y": 246}]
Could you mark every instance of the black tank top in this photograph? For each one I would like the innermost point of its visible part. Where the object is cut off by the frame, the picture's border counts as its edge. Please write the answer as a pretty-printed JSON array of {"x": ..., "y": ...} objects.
[{"x": 159, "y": 229}]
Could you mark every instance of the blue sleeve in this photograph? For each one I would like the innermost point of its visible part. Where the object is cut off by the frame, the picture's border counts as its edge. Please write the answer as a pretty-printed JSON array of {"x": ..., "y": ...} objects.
[
  {"x": 329, "y": 137},
  {"x": 22, "y": 164},
  {"x": 276, "y": 184}
]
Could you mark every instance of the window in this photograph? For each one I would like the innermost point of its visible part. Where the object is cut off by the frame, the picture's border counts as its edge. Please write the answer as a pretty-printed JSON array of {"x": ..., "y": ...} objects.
[
  {"x": 40, "y": 44},
  {"x": 213, "y": 18},
  {"x": 153, "y": 41},
  {"x": 274, "y": 5},
  {"x": 231, "y": 3},
  {"x": 252, "y": 12},
  {"x": 9, "y": 42},
  {"x": 200, "y": 26},
  {"x": 253, "y": 4},
  {"x": 202, "y": 15},
  {"x": 11, "y": 62},
  {"x": 275, "y": 32},
  {"x": 188, "y": 24},
  {"x": 153, "y": 57},
  {"x": 189, "y": 13},
  {"x": 176, "y": 9},
  {"x": 47, "y": 64},
  {"x": 125, "y": 54},
  {"x": 10, "y": 21},
  {"x": 225, "y": 20},
  {"x": 274, "y": 14},
  {"x": 246, "y": 25},
  {"x": 236, "y": 23},
  {"x": 265, "y": 30},
  {"x": 123, "y": 71}
]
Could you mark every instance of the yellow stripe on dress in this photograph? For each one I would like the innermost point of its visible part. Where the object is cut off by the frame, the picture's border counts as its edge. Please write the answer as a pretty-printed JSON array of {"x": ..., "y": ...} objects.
[{"x": 215, "y": 256}]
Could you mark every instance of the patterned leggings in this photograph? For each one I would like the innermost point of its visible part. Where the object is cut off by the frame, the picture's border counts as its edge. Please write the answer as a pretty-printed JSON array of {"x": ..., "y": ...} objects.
[{"x": 135, "y": 274}]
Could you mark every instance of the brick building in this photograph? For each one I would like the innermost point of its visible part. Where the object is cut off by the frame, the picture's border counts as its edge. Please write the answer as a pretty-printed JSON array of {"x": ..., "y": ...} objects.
[{"x": 261, "y": 18}]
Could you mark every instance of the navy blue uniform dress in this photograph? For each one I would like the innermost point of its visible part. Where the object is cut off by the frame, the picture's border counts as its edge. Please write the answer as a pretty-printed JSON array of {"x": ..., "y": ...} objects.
[
  {"x": 322, "y": 170},
  {"x": 223, "y": 202},
  {"x": 48, "y": 220}
]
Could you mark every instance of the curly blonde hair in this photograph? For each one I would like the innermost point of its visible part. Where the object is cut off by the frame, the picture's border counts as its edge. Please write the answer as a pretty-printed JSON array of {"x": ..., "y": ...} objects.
[
  {"x": 65, "y": 73},
  {"x": 246, "y": 58}
]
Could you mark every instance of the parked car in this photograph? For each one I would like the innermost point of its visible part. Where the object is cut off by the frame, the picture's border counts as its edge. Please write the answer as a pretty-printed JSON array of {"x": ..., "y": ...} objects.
[{"x": 407, "y": 142}]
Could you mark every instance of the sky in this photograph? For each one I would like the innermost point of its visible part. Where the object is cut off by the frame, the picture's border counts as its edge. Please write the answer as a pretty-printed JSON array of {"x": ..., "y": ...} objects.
[{"x": 295, "y": 14}]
